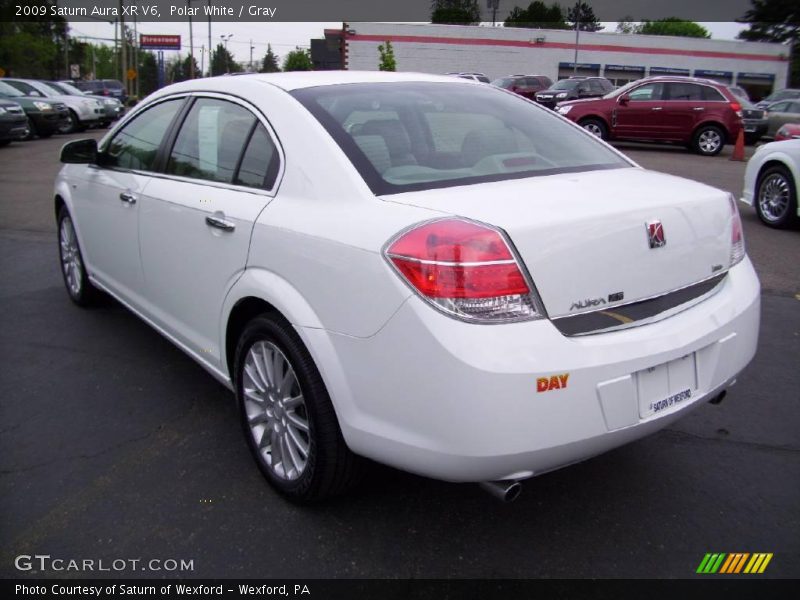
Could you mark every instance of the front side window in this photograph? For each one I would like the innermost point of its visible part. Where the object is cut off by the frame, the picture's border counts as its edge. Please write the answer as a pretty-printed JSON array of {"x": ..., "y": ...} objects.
[
  {"x": 646, "y": 93},
  {"x": 779, "y": 107},
  {"x": 135, "y": 146},
  {"x": 412, "y": 136}
]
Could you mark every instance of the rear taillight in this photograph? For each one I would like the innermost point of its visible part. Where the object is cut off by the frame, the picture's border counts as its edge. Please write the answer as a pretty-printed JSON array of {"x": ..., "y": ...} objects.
[
  {"x": 737, "y": 233},
  {"x": 465, "y": 269},
  {"x": 737, "y": 108}
]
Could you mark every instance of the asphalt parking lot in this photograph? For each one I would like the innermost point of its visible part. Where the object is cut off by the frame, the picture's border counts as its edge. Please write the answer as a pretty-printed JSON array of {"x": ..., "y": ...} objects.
[{"x": 113, "y": 444}]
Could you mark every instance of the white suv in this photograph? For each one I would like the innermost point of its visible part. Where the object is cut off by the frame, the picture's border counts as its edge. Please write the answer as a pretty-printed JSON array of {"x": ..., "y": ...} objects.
[{"x": 433, "y": 273}]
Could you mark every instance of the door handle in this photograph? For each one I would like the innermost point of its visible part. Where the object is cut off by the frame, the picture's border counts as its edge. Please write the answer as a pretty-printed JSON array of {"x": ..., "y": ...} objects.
[
  {"x": 656, "y": 108},
  {"x": 220, "y": 223},
  {"x": 127, "y": 198},
  {"x": 698, "y": 108}
]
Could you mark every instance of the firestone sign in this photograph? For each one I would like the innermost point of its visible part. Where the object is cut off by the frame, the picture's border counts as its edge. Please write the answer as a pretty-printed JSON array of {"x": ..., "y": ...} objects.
[{"x": 160, "y": 42}]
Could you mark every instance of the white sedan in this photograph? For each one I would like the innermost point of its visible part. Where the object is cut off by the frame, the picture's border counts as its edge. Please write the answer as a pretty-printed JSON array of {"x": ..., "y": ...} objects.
[
  {"x": 771, "y": 183},
  {"x": 432, "y": 273}
]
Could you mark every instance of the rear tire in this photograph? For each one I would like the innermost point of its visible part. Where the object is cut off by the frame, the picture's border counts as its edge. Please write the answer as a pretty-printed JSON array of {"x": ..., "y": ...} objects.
[
  {"x": 286, "y": 412},
  {"x": 708, "y": 140},
  {"x": 776, "y": 197},
  {"x": 595, "y": 127}
]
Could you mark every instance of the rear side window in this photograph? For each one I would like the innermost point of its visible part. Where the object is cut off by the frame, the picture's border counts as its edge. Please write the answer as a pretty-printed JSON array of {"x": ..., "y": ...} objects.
[
  {"x": 596, "y": 86},
  {"x": 684, "y": 92},
  {"x": 713, "y": 94},
  {"x": 260, "y": 162},
  {"x": 794, "y": 107},
  {"x": 136, "y": 145},
  {"x": 211, "y": 140}
]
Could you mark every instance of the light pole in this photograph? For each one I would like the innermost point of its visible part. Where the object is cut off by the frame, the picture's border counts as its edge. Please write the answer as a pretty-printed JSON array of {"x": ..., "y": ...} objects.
[
  {"x": 191, "y": 41},
  {"x": 577, "y": 33},
  {"x": 209, "y": 38},
  {"x": 225, "y": 39},
  {"x": 251, "y": 55}
]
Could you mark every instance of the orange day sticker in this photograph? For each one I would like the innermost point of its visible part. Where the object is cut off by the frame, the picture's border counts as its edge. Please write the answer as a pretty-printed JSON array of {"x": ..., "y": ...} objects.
[{"x": 554, "y": 382}]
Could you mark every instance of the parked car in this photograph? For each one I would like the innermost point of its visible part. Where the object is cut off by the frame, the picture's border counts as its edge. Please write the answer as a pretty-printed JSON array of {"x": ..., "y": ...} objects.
[
  {"x": 781, "y": 113},
  {"x": 740, "y": 92},
  {"x": 473, "y": 76},
  {"x": 699, "y": 113},
  {"x": 574, "y": 88},
  {"x": 376, "y": 299},
  {"x": 112, "y": 108},
  {"x": 770, "y": 183},
  {"x": 790, "y": 131},
  {"x": 524, "y": 85},
  {"x": 83, "y": 113},
  {"x": 104, "y": 87},
  {"x": 754, "y": 121},
  {"x": 784, "y": 94},
  {"x": 13, "y": 122},
  {"x": 45, "y": 117}
]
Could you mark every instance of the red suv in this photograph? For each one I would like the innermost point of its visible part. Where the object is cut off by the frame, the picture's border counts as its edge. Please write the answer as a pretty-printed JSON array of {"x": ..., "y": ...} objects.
[{"x": 700, "y": 113}]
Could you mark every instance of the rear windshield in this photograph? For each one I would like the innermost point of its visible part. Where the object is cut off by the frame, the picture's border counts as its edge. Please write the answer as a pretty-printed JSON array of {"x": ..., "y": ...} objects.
[{"x": 413, "y": 136}]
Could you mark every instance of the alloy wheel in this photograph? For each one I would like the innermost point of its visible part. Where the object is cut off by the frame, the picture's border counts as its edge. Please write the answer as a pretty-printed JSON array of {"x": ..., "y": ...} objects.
[
  {"x": 71, "y": 261},
  {"x": 709, "y": 141},
  {"x": 773, "y": 197},
  {"x": 276, "y": 411}
]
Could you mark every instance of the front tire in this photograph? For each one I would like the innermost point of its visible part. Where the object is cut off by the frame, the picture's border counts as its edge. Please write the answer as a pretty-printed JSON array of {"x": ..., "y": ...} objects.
[
  {"x": 595, "y": 127},
  {"x": 776, "y": 197},
  {"x": 286, "y": 412},
  {"x": 708, "y": 140},
  {"x": 71, "y": 125},
  {"x": 73, "y": 269}
]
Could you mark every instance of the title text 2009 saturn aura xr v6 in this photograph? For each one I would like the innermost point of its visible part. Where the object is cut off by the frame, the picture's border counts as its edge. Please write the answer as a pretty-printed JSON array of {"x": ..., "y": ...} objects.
[{"x": 428, "y": 272}]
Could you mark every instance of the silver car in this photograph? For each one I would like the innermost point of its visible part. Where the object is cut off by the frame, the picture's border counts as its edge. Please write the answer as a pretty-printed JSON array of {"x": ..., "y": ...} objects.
[{"x": 83, "y": 112}]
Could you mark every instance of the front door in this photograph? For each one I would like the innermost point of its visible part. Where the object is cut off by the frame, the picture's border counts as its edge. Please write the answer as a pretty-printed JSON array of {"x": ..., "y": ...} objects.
[
  {"x": 640, "y": 116},
  {"x": 107, "y": 210}
]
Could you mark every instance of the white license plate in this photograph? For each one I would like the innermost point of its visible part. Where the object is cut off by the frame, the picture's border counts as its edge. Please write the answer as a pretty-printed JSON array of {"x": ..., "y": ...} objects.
[
  {"x": 662, "y": 387},
  {"x": 749, "y": 129}
]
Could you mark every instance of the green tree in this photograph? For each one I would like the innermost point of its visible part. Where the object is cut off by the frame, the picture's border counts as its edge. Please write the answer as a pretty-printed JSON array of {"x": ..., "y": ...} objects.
[
  {"x": 584, "y": 14},
  {"x": 627, "y": 25},
  {"x": 455, "y": 12},
  {"x": 674, "y": 26},
  {"x": 387, "y": 62},
  {"x": 776, "y": 21},
  {"x": 222, "y": 62},
  {"x": 537, "y": 16},
  {"x": 298, "y": 60},
  {"x": 148, "y": 73},
  {"x": 269, "y": 64},
  {"x": 33, "y": 48}
]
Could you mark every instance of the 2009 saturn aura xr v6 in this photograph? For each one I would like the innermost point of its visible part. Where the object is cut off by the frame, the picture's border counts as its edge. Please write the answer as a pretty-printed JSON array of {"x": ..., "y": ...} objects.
[{"x": 432, "y": 273}]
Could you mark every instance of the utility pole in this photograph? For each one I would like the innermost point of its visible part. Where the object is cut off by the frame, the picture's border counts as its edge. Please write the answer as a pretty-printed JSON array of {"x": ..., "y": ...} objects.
[
  {"x": 203, "y": 60},
  {"x": 66, "y": 52},
  {"x": 209, "y": 38},
  {"x": 251, "y": 55},
  {"x": 191, "y": 41},
  {"x": 116, "y": 50},
  {"x": 136, "y": 52},
  {"x": 577, "y": 33},
  {"x": 225, "y": 39},
  {"x": 124, "y": 47}
]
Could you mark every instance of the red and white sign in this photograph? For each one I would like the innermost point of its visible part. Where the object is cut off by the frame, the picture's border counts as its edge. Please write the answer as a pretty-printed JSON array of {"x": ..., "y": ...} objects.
[{"x": 160, "y": 42}]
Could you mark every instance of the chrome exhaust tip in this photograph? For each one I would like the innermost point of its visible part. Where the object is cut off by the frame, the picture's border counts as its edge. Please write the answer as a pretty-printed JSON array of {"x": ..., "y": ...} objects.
[{"x": 505, "y": 491}]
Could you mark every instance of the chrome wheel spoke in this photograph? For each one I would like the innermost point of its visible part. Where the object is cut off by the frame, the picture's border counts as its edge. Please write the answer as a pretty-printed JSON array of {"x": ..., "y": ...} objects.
[
  {"x": 70, "y": 256},
  {"x": 275, "y": 411}
]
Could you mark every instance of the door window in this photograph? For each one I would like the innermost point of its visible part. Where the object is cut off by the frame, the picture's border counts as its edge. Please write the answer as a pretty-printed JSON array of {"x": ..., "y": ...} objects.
[
  {"x": 647, "y": 92},
  {"x": 684, "y": 92},
  {"x": 779, "y": 107},
  {"x": 260, "y": 162},
  {"x": 136, "y": 144},
  {"x": 211, "y": 141}
]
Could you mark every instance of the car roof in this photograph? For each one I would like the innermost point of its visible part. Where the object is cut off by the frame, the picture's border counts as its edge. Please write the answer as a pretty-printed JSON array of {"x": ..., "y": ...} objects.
[{"x": 295, "y": 80}]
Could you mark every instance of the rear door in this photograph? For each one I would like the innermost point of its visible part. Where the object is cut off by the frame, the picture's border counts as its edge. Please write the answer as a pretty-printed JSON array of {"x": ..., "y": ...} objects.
[
  {"x": 683, "y": 108},
  {"x": 640, "y": 117},
  {"x": 197, "y": 217},
  {"x": 782, "y": 113}
]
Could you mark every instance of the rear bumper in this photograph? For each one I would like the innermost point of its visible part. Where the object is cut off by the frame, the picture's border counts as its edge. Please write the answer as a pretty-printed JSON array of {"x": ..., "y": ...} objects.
[{"x": 459, "y": 402}]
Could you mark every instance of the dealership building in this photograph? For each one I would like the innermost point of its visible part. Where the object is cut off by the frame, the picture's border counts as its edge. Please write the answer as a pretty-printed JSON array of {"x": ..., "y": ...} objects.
[{"x": 497, "y": 51}]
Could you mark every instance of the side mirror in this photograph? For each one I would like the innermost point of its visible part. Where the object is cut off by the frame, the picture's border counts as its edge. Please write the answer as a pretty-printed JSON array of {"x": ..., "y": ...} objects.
[
  {"x": 624, "y": 99},
  {"x": 79, "y": 152}
]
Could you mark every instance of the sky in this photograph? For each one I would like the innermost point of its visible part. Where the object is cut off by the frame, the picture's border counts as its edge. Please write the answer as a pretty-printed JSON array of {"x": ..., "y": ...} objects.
[{"x": 283, "y": 37}]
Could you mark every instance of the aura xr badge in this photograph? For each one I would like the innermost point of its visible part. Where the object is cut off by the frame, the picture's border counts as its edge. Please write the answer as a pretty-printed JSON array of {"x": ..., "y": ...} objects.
[{"x": 655, "y": 234}]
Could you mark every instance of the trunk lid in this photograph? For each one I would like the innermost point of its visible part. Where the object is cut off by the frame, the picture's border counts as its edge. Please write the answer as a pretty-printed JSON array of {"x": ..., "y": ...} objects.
[{"x": 584, "y": 236}]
